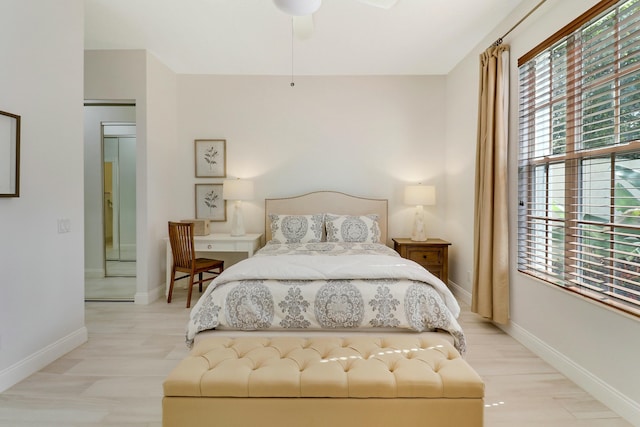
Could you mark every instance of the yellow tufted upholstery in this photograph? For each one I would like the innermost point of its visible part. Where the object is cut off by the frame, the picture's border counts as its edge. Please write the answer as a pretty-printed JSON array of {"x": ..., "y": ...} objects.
[{"x": 378, "y": 369}]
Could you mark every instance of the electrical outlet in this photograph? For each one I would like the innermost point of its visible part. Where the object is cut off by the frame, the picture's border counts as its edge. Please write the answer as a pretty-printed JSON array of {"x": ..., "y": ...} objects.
[{"x": 64, "y": 225}]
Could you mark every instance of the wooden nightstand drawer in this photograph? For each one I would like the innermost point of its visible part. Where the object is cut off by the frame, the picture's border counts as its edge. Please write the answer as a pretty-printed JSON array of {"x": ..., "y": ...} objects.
[
  {"x": 425, "y": 256},
  {"x": 432, "y": 254}
]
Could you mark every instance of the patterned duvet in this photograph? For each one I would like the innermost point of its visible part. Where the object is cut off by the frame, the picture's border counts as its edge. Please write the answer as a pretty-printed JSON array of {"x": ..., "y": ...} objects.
[{"x": 327, "y": 286}]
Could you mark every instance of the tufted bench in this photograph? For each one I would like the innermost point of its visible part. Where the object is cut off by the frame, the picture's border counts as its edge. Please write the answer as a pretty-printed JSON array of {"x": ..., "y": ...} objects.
[{"x": 324, "y": 381}]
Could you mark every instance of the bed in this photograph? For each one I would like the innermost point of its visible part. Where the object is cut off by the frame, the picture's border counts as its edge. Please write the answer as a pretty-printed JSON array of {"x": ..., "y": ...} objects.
[
  {"x": 325, "y": 325},
  {"x": 326, "y": 268}
]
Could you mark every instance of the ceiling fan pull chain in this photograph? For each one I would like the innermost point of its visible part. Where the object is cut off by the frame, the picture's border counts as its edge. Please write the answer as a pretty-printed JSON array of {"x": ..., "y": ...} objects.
[{"x": 292, "y": 35}]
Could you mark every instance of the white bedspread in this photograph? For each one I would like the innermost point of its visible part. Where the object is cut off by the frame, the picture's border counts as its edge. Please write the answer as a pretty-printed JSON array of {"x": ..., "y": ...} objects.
[{"x": 326, "y": 286}]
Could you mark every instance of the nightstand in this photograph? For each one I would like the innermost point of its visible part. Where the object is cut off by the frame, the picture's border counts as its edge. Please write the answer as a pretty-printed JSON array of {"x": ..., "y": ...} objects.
[{"x": 432, "y": 254}]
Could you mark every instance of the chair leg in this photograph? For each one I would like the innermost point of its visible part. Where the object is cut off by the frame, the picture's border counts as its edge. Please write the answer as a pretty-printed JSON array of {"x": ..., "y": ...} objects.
[
  {"x": 173, "y": 279},
  {"x": 190, "y": 291},
  {"x": 200, "y": 284}
]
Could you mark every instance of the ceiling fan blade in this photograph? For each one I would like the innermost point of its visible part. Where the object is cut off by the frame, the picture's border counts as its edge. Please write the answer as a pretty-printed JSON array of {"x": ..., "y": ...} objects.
[
  {"x": 384, "y": 4},
  {"x": 303, "y": 26}
]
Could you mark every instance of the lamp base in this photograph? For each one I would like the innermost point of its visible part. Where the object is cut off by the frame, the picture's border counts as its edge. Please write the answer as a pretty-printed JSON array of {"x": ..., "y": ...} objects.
[
  {"x": 237, "y": 223},
  {"x": 419, "y": 234}
]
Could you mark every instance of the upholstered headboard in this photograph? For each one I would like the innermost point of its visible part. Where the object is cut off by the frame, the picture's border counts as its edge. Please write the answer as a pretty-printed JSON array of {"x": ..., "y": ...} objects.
[{"x": 328, "y": 202}]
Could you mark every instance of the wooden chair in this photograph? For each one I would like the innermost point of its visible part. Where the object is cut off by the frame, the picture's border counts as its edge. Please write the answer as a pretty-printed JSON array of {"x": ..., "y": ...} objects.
[{"x": 185, "y": 261}]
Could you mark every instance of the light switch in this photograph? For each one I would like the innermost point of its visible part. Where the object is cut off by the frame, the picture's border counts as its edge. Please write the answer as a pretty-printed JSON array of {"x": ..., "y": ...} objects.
[{"x": 64, "y": 225}]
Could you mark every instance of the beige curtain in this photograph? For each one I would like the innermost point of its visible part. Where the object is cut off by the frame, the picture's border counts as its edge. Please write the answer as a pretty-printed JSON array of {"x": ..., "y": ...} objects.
[{"x": 490, "y": 297}]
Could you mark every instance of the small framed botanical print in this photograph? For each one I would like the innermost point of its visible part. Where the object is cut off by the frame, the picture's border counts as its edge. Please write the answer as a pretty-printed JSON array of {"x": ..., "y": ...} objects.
[
  {"x": 209, "y": 202},
  {"x": 211, "y": 158}
]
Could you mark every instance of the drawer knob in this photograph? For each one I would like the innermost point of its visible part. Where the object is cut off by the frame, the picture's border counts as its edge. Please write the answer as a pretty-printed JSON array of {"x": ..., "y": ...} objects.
[{"x": 208, "y": 246}]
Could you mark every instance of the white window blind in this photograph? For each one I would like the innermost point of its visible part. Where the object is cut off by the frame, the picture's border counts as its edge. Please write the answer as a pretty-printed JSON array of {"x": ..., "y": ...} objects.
[{"x": 579, "y": 163}]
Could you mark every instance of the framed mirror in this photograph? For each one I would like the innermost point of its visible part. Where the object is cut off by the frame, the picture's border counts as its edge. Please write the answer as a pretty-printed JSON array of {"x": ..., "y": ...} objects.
[{"x": 9, "y": 155}]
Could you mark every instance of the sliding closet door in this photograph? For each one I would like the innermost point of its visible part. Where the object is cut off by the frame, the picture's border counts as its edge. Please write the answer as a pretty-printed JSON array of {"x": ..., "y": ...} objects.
[{"x": 119, "y": 180}]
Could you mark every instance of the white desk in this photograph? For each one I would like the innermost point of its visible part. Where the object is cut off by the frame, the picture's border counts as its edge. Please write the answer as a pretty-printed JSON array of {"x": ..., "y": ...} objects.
[{"x": 248, "y": 243}]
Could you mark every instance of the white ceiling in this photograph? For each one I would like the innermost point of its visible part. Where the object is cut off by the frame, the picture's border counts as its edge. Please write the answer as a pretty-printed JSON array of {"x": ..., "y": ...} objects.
[{"x": 415, "y": 37}]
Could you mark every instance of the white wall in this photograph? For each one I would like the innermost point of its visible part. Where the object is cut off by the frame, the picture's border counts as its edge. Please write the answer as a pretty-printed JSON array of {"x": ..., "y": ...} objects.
[
  {"x": 367, "y": 136},
  {"x": 161, "y": 145},
  {"x": 461, "y": 130},
  {"x": 596, "y": 347},
  {"x": 42, "y": 281}
]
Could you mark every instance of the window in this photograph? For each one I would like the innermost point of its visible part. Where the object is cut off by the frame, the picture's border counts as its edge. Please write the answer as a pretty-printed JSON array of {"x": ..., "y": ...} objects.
[{"x": 579, "y": 163}]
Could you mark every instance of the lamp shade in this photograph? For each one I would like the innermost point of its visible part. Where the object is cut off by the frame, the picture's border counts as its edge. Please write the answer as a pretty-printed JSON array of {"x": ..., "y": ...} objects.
[
  {"x": 237, "y": 189},
  {"x": 420, "y": 195},
  {"x": 298, "y": 7}
]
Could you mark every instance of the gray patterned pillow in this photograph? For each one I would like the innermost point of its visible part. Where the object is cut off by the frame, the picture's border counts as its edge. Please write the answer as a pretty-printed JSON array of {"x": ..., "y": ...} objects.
[
  {"x": 349, "y": 228},
  {"x": 296, "y": 228}
]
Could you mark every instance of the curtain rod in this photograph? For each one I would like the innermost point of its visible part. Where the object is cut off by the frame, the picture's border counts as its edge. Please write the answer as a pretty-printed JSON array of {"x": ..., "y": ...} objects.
[{"x": 499, "y": 41}]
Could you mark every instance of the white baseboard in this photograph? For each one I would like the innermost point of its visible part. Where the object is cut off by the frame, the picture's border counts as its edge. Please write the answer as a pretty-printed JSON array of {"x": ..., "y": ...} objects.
[
  {"x": 149, "y": 297},
  {"x": 618, "y": 402},
  {"x": 38, "y": 360},
  {"x": 461, "y": 293}
]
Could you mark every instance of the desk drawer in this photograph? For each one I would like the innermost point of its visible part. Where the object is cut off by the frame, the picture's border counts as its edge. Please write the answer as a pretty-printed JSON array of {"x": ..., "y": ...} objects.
[
  {"x": 204, "y": 247},
  {"x": 225, "y": 246}
]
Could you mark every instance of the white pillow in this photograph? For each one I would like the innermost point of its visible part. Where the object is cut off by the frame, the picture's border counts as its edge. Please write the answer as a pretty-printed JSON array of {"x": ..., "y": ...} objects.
[
  {"x": 349, "y": 228},
  {"x": 296, "y": 228}
]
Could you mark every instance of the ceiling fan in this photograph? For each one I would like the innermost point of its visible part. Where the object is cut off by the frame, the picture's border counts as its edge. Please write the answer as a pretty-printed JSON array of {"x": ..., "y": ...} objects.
[{"x": 302, "y": 12}]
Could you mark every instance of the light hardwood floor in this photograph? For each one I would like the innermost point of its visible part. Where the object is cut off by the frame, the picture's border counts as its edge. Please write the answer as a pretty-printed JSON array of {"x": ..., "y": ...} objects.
[{"x": 116, "y": 377}]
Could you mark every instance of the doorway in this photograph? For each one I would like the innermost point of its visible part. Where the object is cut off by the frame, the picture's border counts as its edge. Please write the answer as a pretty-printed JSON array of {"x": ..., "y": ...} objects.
[{"x": 110, "y": 200}]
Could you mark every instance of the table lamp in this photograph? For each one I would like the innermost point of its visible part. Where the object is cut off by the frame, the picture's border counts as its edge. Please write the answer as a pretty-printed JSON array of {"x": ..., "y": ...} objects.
[
  {"x": 237, "y": 190},
  {"x": 419, "y": 196}
]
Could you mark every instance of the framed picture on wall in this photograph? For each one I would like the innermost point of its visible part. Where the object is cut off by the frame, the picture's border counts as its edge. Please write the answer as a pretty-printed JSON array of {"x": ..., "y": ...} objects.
[
  {"x": 9, "y": 155},
  {"x": 211, "y": 158},
  {"x": 209, "y": 202}
]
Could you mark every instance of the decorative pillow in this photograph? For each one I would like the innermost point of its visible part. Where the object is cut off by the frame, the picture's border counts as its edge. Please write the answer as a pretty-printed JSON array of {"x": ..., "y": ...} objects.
[
  {"x": 296, "y": 228},
  {"x": 348, "y": 228}
]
